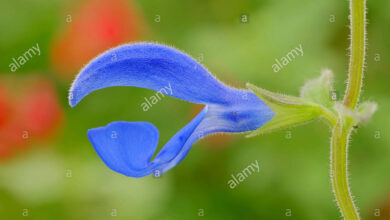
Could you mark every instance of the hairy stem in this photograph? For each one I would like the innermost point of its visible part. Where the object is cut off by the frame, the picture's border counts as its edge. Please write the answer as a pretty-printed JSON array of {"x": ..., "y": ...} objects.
[
  {"x": 356, "y": 63},
  {"x": 339, "y": 169},
  {"x": 342, "y": 130},
  {"x": 329, "y": 117}
]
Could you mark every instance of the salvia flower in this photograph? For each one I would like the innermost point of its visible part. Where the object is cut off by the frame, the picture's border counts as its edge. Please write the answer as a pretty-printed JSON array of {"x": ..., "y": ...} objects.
[{"x": 129, "y": 151}]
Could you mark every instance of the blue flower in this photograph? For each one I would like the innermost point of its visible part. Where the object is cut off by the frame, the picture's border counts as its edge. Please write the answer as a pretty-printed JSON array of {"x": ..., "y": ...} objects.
[{"x": 128, "y": 147}]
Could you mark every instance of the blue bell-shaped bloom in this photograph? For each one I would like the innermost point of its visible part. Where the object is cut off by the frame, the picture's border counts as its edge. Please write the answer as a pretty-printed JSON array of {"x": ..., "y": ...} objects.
[{"x": 154, "y": 66}]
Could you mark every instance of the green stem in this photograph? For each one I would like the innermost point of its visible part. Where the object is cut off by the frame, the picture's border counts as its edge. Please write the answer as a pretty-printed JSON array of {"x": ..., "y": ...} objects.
[
  {"x": 339, "y": 169},
  {"x": 356, "y": 63},
  {"x": 342, "y": 130},
  {"x": 329, "y": 117}
]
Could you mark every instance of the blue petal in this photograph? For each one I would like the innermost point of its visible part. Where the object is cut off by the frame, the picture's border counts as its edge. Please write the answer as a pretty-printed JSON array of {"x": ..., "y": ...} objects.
[
  {"x": 150, "y": 66},
  {"x": 155, "y": 67},
  {"x": 245, "y": 115},
  {"x": 131, "y": 156},
  {"x": 125, "y": 147}
]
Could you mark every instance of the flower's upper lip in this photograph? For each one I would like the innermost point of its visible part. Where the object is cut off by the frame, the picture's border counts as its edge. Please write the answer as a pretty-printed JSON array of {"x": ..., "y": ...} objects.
[
  {"x": 154, "y": 66},
  {"x": 150, "y": 66}
]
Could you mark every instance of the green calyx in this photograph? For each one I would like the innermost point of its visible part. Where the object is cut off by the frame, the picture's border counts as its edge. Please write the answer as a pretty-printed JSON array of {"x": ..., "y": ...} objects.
[
  {"x": 289, "y": 110},
  {"x": 315, "y": 103}
]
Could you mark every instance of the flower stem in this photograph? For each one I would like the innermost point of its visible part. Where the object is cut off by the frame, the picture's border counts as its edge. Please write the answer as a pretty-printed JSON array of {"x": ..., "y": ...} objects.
[
  {"x": 343, "y": 128},
  {"x": 339, "y": 169},
  {"x": 356, "y": 63}
]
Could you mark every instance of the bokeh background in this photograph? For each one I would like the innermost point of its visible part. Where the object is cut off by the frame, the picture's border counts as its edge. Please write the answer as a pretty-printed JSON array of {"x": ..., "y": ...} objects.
[{"x": 49, "y": 170}]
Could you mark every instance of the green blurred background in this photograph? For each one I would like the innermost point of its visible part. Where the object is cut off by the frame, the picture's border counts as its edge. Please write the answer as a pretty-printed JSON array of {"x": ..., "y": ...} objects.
[{"x": 59, "y": 176}]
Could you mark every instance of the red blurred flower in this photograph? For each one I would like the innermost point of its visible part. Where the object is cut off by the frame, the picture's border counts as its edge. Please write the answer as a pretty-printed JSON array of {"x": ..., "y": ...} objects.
[
  {"x": 29, "y": 111},
  {"x": 2, "y": 105},
  {"x": 97, "y": 26}
]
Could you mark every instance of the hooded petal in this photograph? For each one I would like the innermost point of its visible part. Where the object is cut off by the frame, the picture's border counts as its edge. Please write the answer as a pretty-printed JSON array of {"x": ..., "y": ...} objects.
[{"x": 154, "y": 67}]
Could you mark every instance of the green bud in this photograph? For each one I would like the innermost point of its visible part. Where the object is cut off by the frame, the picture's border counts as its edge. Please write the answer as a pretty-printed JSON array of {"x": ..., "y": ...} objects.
[
  {"x": 320, "y": 90},
  {"x": 362, "y": 114}
]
